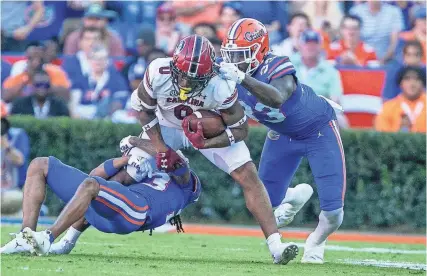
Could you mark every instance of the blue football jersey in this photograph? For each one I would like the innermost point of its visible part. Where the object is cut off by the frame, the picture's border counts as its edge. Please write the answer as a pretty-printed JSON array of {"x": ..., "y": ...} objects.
[
  {"x": 303, "y": 114},
  {"x": 166, "y": 198}
]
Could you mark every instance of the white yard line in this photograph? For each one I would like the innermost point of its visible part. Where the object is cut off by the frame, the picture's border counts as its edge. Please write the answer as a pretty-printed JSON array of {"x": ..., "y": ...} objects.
[
  {"x": 338, "y": 248},
  {"x": 389, "y": 264},
  {"x": 371, "y": 250}
]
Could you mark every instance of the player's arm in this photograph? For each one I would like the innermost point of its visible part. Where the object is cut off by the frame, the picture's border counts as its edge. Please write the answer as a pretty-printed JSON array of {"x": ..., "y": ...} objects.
[
  {"x": 110, "y": 167},
  {"x": 145, "y": 145},
  {"x": 181, "y": 174},
  {"x": 236, "y": 131},
  {"x": 144, "y": 101},
  {"x": 146, "y": 105},
  {"x": 273, "y": 94},
  {"x": 280, "y": 73}
]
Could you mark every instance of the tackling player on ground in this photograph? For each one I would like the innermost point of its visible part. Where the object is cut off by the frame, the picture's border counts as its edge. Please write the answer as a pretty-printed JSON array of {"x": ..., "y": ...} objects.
[
  {"x": 109, "y": 206},
  {"x": 301, "y": 125},
  {"x": 172, "y": 89}
]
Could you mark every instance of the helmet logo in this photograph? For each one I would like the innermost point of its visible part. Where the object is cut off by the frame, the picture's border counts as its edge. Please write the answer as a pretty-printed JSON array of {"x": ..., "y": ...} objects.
[
  {"x": 249, "y": 36},
  {"x": 179, "y": 47}
]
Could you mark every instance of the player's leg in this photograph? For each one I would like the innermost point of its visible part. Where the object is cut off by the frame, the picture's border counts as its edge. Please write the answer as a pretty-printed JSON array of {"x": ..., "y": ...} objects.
[
  {"x": 116, "y": 209},
  {"x": 73, "y": 211},
  {"x": 236, "y": 161},
  {"x": 44, "y": 170},
  {"x": 280, "y": 159},
  {"x": 66, "y": 244},
  {"x": 34, "y": 192},
  {"x": 327, "y": 162},
  {"x": 107, "y": 205},
  {"x": 62, "y": 179},
  {"x": 77, "y": 207}
]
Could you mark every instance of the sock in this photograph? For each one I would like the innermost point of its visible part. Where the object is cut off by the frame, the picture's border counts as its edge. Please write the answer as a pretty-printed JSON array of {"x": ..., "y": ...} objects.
[
  {"x": 72, "y": 235},
  {"x": 51, "y": 237},
  {"x": 273, "y": 242},
  {"x": 329, "y": 222}
]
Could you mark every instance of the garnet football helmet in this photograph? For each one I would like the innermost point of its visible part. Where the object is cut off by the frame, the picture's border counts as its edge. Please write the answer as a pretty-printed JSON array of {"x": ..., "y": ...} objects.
[
  {"x": 246, "y": 43},
  {"x": 192, "y": 66}
]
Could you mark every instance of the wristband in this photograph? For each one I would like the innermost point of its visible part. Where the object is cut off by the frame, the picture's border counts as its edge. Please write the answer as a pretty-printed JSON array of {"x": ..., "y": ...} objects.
[
  {"x": 109, "y": 168},
  {"x": 150, "y": 125},
  {"x": 239, "y": 123},
  {"x": 149, "y": 107},
  {"x": 230, "y": 136}
]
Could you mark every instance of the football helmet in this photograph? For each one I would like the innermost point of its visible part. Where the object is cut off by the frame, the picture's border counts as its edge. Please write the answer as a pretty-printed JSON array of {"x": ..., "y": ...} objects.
[
  {"x": 192, "y": 66},
  {"x": 246, "y": 44}
]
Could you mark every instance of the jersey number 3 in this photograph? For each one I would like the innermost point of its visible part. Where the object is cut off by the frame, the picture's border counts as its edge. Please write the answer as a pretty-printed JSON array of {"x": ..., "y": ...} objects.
[
  {"x": 263, "y": 113},
  {"x": 159, "y": 181}
]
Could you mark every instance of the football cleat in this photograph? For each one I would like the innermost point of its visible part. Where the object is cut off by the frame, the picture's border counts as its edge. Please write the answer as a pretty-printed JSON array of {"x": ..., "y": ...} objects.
[
  {"x": 17, "y": 245},
  {"x": 286, "y": 212},
  {"x": 313, "y": 254},
  {"x": 40, "y": 241},
  {"x": 62, "y": 247},
  {"x": 287, "y": 252}
]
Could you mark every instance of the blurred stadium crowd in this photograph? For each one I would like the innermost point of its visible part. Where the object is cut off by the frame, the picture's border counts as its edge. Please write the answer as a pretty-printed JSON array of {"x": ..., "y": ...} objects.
[{"x": 84, "y": 58}]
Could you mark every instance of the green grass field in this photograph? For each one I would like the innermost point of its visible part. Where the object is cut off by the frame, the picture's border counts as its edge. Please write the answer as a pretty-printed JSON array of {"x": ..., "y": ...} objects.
[{"x": 184, "y": 254}]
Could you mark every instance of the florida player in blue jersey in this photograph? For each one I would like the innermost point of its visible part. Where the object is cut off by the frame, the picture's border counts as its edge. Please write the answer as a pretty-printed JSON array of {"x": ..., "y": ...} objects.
[
  {"x": 107, "y": 205},
  {"x": 301, "y": 124}
]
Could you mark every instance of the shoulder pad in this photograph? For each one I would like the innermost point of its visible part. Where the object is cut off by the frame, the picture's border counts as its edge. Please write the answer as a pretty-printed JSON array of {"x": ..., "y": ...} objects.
[
  {"x": 279, "y": 67},
  {"x": 157, "y": 71},
  {"x": 224, "y": 92}
]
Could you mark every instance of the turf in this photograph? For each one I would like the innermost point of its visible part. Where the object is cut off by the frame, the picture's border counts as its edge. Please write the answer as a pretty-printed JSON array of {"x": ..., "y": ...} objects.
[{"x": 184, "y": 254}]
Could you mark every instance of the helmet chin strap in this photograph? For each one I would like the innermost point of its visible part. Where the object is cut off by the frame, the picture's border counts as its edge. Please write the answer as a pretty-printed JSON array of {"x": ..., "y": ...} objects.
[
  {"x": 253, "y": 62},
  {"x": 253, "y": 65}
]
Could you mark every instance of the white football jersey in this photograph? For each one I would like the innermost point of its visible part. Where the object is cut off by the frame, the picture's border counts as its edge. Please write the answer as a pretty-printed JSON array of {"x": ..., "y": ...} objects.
[{"x": 171, "y": 110}]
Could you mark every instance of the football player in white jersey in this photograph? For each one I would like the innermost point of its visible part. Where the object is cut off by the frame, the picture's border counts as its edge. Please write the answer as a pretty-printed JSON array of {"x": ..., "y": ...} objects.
[{"x": 176, "y": 87}]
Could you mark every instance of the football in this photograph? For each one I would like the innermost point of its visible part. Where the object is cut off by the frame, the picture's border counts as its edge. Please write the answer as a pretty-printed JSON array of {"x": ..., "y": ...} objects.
[{"x": 212, "y": 123}]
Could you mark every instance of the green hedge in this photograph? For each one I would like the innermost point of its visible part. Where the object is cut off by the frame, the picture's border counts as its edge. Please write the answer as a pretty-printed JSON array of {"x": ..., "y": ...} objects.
[{"x": 386, "y": 173}]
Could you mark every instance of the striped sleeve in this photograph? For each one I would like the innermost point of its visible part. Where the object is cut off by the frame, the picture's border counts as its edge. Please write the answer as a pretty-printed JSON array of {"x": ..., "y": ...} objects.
[
  {"x": 229, "y": 101},
  {"x": 280, "y": 68}
]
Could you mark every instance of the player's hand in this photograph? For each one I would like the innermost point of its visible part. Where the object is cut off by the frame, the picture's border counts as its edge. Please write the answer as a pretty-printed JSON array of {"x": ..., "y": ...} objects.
[
  {"x": 135, "y": 101},
  {"x": 196, "y": 138},
  {"x": 141, "y": 164},
  {"x": 230, "y": 71},
  {"x": 125, "y": 144},
  {"x": 168, "y": 160}
]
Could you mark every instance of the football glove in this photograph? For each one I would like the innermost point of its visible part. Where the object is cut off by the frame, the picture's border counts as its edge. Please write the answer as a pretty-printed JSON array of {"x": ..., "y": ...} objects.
[
  {"x": 142, "y": 165},
  {"x": 196, "y": 138},
  {"x": 229, "y": 71},
  {"x": 125, "y": 145},
  {"x": 168, "y": 161}
]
